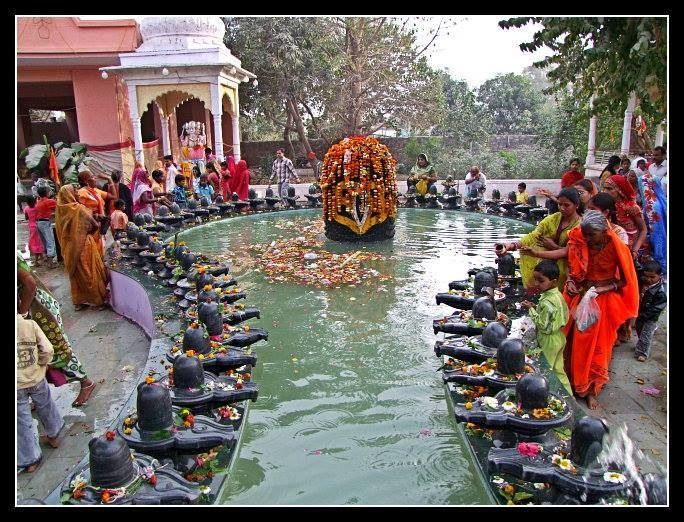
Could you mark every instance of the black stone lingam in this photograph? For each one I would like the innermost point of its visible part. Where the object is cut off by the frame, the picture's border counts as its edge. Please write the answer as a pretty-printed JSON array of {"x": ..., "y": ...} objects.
[
  {"x": 111, "y": 467},
  {"x": 110, "y": 462},
  {"x": 187, "y": 259},
  {"x": 154, "y": 431},
  {"x": 175, "y": 208},
  {"x": 194, "y": 339},
  {"x": 163, "y": 211},
  {"x": 205, "y": 295},
  {"x": 271, "y": 200},
  {"x": 179, "y": 250},
  {"x": 510, "y": 358},
  {"x": 410, "y": 197},
  {"x": 494, "y": 334},
  {"x": 452, "y": 199},
  {"x": 139, "y": 219},
  {"x": 586, "y": 482},
  {"x": 532, "y": 390},
  {"x": 154, "y": 408},
  {"x": 193, "y": 204},
  {"x": 506, "y": 264},
  {"x": 143, "y": 238},
  {"x": 148, "y": 218},
  {"x": 485, "y": 306},
  {"x": 587, "y": 440},
  {"x": 510, "y": 361},
  {"x": 191, "y": 386},
  {"x": 496, "y": 194},
  {"x": 461, "y": 302},
  {"x": 532, "y": 201},
  {"x": 202, "y": 280},
  {"x": 208, "y": 313},
  {"x": 314, "y": 196},
  {"x": 482, "y": 279},
  {"x": 431, "y": 197},
  {"x": 254, "y": 200},
  {"x": 475, "y": 349},
  {"x": 291, "y": 197}
]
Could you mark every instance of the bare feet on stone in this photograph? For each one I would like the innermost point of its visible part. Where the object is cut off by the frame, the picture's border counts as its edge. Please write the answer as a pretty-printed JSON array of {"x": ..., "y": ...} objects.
[
  {"x": 87, "y": 387},
  {"x": 592, "y": 402}
]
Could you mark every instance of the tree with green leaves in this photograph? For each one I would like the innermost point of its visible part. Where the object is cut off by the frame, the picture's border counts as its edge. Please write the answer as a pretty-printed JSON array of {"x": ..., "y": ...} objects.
[
  {"x": 464, "y": 118},
  {"x": 604, "y": 58},
  {"x": 512, "y": 102}
]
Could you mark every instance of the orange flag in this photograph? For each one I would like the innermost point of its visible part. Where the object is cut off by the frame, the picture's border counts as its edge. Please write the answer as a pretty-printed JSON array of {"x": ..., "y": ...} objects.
[{"x": 52, "y": 165}]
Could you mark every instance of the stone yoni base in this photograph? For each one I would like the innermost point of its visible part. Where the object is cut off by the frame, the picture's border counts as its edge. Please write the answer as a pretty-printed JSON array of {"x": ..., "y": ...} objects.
[{"x": 380, "y": 232}]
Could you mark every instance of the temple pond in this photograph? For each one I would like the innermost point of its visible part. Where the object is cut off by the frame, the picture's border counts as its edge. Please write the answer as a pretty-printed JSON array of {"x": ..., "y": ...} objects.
[{"x": 351, "y": 409}]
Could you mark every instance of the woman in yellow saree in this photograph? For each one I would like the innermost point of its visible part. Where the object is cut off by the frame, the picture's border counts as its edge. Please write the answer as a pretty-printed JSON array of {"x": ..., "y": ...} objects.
[
  {"x": 551, "y": 234},
  {"x": 81, "y": 251}
]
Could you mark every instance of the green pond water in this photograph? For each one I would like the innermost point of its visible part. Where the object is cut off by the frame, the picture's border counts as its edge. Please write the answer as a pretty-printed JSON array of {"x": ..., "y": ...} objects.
[{"x": 350, "y": 408}]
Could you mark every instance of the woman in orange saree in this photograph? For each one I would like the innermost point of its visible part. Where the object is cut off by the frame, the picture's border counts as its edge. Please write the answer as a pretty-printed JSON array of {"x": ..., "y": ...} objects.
[
  {"x": 81, "y": 250},
  {"x": 597, "y": 258},
  {"x": 94, "y": 199}
]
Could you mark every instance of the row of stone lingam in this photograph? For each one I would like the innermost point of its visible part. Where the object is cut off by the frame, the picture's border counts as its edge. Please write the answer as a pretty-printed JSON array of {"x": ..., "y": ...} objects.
[
  {"x": 452, "y": 200},
  {"x": 504, "y": 399},
  {"x": 187, "y": 422}
]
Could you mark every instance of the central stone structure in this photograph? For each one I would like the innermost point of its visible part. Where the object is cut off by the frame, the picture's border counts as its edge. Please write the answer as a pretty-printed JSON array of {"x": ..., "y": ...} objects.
[{"x": 359, "y": 190}]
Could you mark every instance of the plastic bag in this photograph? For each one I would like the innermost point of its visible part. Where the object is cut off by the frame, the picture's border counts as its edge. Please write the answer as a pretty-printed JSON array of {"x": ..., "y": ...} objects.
[{"x": 588, "y": 311}]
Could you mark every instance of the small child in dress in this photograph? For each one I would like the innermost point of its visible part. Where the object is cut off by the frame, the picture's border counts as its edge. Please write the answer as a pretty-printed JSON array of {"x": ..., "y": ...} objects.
[
  {"x": 652, "y": 302},
  {"x": 549, "y": 317},
  {"x": 119, "y": 219},
  {"x": 35, "y": 244},
  {"x": 522, "y": 196},
  {"x": 34, "y": 353}
]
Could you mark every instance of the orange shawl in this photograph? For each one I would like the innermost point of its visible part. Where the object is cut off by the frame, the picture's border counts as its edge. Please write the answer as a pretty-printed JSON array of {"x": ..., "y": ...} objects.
[
  {"x": 589, "y": 353},
  {"x": 81, "y": 251}
]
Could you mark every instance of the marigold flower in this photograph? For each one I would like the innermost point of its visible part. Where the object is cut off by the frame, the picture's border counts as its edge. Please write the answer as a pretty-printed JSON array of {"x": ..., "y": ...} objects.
[{"x": 149, "y": 379}]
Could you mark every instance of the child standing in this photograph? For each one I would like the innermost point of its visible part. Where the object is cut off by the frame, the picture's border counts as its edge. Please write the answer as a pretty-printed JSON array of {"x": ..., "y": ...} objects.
[
  {"x": 118, "y": 218},
  {"x": 178, "y": 192},
  {"x": 652, "y": 303},
  {"x": 522, "y": 196},
  {"x": 35, "y": 244},
  {"x": 34, "y": 353},
  {"x": 549, "y": 317},
  {"x": 45, "y": 206}
]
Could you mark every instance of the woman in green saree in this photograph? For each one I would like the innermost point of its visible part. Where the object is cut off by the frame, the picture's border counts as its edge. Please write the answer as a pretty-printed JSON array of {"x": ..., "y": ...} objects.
[
  {"x": 422, "y": 175},
  {"x": 551, "y": 234}
]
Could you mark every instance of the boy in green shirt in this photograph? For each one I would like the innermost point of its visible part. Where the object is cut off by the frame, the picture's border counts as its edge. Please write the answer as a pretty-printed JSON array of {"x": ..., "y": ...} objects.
[{"x": 549, "y": 317}]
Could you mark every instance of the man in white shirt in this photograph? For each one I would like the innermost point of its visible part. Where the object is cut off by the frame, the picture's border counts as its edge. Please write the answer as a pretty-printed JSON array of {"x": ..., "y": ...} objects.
[
  {"x": 659, "y": 166},
  {"x": 171, "y": 173},
  {"x": 475, "y": 181}
]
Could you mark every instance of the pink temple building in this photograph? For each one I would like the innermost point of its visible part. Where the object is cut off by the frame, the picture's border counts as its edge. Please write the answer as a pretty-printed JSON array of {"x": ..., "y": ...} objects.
[{"x": 130, "y": 90}]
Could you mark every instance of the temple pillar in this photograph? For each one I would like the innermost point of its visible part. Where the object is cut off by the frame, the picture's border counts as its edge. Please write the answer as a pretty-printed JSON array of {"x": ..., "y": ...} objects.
[
  {"x": 660, "y": 135},
  {"x": 235, "y": 120},
  {"x": 216, "y": 112},
  {"x": 135, "y": 122},
  {"x": 166, "y": 139},
  {"x": 591, "y": 147},
  {"x": 627, "y": 125}
]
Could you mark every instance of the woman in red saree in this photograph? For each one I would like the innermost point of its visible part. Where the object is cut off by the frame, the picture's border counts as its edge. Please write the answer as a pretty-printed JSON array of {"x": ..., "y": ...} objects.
[
  {"x": 81, "y": 251},
  {"x": 597, "y": 258},
  {"x": 239, "y": 182}
]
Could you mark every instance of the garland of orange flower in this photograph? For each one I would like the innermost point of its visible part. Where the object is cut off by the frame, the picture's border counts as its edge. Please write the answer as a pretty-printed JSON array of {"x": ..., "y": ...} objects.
[{"x": 359, "y": 166}]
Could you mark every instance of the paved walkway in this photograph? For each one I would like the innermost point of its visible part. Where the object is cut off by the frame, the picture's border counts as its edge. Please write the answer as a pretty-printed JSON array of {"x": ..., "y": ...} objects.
[{"x": 114, "y": 353}]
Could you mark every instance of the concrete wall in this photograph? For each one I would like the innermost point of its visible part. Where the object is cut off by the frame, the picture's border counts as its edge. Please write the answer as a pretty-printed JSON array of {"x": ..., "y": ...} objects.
[{"x": 254, "y": 151}]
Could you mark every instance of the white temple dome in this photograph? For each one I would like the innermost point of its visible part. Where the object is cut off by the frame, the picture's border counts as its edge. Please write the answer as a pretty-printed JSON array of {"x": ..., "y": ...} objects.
[{"x": 171, "y": 33}]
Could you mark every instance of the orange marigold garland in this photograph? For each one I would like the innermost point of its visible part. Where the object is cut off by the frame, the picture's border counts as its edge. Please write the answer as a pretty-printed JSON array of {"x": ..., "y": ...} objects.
[{"x": 359, "y": 173}]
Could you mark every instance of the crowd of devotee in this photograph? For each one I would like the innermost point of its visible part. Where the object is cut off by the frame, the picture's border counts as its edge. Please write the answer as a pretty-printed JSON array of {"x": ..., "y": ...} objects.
[{"x": 600, "y": 255}]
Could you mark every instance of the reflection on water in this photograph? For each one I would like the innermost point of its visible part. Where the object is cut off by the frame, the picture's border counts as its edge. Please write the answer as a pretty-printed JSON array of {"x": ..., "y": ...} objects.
[{"x": 351, "y": 409}]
